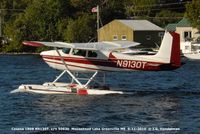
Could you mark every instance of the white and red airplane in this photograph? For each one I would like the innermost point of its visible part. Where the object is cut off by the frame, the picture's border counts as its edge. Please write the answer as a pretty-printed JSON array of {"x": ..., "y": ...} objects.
[{"x": 101, "y": 56}]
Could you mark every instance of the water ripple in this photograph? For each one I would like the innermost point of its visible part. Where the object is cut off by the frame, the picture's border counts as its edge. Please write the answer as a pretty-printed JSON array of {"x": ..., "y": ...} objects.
[{"x": 156, "y": 99}]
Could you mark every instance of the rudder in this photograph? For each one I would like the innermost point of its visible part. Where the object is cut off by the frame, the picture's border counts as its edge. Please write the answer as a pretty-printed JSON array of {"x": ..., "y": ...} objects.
[{"x": 175, "y": 59}]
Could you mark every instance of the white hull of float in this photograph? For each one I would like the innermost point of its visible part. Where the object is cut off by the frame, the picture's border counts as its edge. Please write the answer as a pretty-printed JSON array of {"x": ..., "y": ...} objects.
[{"x": 62, "y": 88}]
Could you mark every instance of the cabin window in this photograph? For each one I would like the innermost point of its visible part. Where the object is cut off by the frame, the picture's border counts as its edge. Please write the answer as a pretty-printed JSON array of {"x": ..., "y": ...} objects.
[
  {"x": 79, "y": 52},
  {"x": 115, "y": 37},
  {"x": 92, "y": 54},
  {"x": 148, "y": 37},
  {"x": 187, "y": 35},
  {"x": 66, "y": 50},
  {"x": 124, "y": 37}
]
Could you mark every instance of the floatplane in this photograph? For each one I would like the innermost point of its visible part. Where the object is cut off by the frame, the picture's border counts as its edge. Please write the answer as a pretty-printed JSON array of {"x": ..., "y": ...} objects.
[{"x": 100, "y": 57}]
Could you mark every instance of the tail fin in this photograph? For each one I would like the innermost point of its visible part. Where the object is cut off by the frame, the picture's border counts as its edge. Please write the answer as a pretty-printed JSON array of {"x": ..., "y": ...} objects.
[
  {"x": 169, "y": 51},
  {"x": 176, "y": 52}
]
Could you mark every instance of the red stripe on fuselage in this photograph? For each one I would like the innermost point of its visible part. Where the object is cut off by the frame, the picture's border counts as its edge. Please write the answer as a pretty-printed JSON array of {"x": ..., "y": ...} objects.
[
  {"x": 113, "y": 63},
  {"x": 60, "y": 63},
  {"x": 98, "y": 62}
]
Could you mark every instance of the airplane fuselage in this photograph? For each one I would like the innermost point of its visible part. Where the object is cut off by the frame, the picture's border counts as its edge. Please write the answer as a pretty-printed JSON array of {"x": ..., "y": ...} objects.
[{"x": 103, "y": 61}]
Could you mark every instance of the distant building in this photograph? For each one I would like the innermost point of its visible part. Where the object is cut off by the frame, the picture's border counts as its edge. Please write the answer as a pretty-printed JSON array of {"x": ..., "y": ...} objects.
[
  {"x": 142, "y": 31},
  {"x": 185, "y": 29}
]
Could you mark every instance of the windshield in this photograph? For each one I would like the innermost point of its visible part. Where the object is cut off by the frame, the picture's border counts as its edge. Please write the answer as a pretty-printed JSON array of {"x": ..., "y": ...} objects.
[{"x": 66, "y": 50}]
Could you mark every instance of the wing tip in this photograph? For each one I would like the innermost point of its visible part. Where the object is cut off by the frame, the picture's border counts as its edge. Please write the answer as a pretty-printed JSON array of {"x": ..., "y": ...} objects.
[{"x": 32, "y": 43}]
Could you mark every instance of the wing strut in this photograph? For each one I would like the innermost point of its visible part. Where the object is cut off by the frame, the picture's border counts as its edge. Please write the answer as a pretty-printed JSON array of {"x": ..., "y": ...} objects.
[
  {"x": 71, "y": 75},
  {"x": 91, "y": 79},
  {"x": 58, "y": 77},
  {"x": 67, "y": 69}
]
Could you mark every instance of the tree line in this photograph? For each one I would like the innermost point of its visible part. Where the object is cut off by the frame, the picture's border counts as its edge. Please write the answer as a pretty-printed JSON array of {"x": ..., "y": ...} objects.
[{"x": 73, "y": 21}]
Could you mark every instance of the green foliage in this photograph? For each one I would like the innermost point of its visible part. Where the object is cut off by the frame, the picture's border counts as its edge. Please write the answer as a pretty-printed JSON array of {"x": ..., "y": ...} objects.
[
  {"x": 111, "y": 10},
  {"x": 38, "y": 22},
  {"x": 40, "y": 49},
  {"x": 83, "y": 6},
  {"x": 81, "y": 29},
  {"x": 41, "y": 18},
  {"x": 193, "y": 13},
  {"x": 61, "y": 28},
  {"x": 165, "y": 17},
  {"x": 138, "y": 8},
  {"x": 72, "y": 20},
  {"x": 15, "y": 36}
]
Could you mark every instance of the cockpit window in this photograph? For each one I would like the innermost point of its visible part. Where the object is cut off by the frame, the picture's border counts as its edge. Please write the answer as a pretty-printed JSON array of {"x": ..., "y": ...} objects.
[
  {"x": 79, "y": 52},
  {"x": 92, "y": 54},
  {"x": 66, "y": 50}
]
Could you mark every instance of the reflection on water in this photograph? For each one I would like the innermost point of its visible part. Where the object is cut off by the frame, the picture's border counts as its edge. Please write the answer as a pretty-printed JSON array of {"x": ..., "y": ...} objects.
[{"x": 104, "y": 111}]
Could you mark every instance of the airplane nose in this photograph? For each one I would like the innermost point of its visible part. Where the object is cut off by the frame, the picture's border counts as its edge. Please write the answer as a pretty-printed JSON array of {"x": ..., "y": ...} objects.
[
  {"x": 50, "y": 53},
  {"x": 43, "y": 53}
]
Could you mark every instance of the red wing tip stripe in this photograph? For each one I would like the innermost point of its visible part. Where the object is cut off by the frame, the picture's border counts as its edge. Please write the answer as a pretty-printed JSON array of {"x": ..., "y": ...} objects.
[{"x": 32, "y": 43}]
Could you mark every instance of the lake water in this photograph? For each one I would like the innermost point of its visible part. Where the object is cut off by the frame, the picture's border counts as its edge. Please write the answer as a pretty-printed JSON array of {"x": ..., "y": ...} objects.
[{"x": 160, "y": 102}]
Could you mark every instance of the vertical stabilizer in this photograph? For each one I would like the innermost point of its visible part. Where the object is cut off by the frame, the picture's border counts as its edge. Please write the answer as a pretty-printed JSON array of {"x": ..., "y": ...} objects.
[
  {"x": 164, "y": 53},
  {"x": 169, "y": 51}
]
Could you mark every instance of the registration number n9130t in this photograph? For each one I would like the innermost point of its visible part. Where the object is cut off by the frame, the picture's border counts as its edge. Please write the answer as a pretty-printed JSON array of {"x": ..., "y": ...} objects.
[{"x": 131, "y": 64}]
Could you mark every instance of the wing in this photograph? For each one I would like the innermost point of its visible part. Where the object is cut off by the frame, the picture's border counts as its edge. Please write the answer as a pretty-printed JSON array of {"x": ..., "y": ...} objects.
[
  {"x": 106, "y": 45},
  {"x": 116, "y": 45}
]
